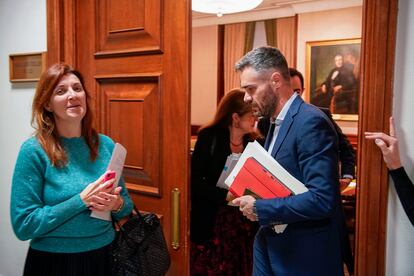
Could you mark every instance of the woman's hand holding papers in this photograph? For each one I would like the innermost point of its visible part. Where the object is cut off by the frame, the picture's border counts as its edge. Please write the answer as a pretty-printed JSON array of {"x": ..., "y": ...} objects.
[
  {"x": 246, "y": 205},
  {"x": 101, "y": 195}
]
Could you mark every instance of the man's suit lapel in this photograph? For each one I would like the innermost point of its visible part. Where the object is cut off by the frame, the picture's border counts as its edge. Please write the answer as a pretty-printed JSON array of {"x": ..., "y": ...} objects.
[{"x": 287, "y": 122}]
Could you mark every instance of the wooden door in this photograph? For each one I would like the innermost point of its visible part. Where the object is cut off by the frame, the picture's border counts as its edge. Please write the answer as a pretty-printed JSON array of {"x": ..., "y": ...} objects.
[{"x": 134, "y": 55}]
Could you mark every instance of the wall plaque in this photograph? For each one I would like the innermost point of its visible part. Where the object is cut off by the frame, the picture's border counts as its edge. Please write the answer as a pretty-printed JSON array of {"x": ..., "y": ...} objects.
[{"x": 26, "y": 67}]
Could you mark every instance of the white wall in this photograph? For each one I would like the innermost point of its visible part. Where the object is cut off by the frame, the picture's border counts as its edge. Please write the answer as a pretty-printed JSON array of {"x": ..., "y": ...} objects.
[
  {"x": 259, "y": 35},
  {"x": 204, "y": 76},
  {"x": 400, "y": 232},
  {"x": 23, "y": 29}
]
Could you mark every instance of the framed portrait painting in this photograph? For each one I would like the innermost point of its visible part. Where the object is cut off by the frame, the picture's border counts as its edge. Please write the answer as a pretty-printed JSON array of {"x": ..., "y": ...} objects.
[{"x": 332, "y": 76}]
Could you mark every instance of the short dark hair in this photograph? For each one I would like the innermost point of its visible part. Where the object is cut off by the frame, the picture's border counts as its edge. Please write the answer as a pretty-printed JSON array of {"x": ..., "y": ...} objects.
[
  {"x": 264, "y": 58},
  {"x": 293, "y": 72}
]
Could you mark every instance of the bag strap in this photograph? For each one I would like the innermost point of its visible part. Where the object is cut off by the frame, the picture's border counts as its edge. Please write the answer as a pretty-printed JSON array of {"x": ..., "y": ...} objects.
[
  {"x": 136, "y": 211},
  {"x": 115, "y": 223}
]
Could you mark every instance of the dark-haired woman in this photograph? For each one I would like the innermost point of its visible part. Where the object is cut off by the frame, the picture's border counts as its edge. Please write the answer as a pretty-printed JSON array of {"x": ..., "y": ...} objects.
[{"x": 221, "y": 238}]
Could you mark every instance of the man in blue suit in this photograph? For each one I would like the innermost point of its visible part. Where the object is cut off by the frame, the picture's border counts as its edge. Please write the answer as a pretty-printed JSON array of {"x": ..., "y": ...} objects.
[{"x": 304, "y": 142}]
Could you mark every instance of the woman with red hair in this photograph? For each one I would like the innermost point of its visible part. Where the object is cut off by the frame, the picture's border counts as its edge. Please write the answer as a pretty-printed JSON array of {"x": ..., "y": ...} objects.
[{"x": 59, "y": 179}]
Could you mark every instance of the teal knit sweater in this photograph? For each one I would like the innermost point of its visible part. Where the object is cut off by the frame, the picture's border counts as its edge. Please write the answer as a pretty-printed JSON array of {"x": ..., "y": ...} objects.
[{"x": 45, "y": 201}]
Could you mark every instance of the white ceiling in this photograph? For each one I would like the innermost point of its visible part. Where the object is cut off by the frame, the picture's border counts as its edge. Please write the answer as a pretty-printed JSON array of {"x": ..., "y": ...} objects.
[{"x": 273, "y": 9}]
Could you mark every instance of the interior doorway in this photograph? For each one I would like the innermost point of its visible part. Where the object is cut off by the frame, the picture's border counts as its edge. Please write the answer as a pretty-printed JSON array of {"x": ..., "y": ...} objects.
[{"x": 369, "y": 250}]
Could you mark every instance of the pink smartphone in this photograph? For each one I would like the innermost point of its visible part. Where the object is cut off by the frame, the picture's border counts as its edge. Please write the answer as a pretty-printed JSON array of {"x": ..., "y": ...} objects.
[{"x": 109, "y": 175}]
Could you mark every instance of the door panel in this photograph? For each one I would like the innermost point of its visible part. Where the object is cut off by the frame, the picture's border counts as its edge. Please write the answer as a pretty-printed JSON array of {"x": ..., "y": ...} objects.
[
  {"x": 130, "y": 110},
  {"x": 134, "y": 55},
  {"x": 128, "y": 27}
]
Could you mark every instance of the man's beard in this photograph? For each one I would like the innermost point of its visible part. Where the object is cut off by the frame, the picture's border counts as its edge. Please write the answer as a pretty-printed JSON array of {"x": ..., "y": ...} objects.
[{"x": 270, "y": 101}]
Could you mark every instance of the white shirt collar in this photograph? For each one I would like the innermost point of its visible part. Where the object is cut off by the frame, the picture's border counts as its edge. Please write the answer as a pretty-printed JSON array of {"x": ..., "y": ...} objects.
[
  {"x": 285, "y": 109},
  {"x": 279, "y": 119}
]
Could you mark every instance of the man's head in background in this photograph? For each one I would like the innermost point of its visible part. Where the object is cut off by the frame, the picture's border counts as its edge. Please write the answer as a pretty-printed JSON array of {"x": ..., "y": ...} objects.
[{"x": 296, "y": 81}]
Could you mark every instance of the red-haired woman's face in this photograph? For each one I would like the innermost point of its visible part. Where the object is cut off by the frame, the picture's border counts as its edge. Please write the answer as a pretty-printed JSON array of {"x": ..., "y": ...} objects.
[
  {"x": 68, "y": 100},
  {"x": 247, "y": 122}
]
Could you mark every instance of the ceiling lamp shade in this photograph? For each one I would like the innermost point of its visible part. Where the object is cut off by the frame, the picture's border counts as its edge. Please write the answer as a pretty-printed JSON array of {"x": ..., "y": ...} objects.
[{"x": 221, "y": 7}]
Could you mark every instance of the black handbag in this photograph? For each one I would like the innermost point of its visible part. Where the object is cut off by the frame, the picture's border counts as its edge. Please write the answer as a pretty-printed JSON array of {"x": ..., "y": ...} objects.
[{"x": 139, "y": 247}]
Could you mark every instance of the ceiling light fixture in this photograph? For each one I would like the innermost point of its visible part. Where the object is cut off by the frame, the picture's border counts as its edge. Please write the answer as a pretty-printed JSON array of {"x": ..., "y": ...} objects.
[{"x": 221, "y": 7}]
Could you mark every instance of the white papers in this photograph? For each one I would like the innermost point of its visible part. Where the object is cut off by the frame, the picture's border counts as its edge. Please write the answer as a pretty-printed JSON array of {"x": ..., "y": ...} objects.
[
  {"x": 116, "y": 164},
  {"x": 254, "y": 149},
  {"x": 117, "y": 161},
  {"x": 228, "y": 167}
]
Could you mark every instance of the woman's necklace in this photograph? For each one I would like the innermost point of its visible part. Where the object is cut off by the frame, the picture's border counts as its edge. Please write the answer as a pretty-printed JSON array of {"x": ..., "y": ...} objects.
[
  {"x": 236, "y": 145},
  {"x": 233, "y": 135}
]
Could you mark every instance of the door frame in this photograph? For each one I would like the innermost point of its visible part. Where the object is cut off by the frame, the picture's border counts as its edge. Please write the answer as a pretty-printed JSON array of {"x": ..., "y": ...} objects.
[
  {"x": 379, "y": 28},
  {"x": 375, "y": 103}
]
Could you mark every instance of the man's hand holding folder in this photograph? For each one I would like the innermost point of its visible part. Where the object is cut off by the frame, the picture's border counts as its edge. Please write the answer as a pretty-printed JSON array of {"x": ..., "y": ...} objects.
[
  {"x": 262, "y": 175},
  {"x": 258, "y": 174}
]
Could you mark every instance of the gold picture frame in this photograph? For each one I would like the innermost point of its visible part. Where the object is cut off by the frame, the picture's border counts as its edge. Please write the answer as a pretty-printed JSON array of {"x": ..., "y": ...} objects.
[
  {"x": 332, "y": 76},
  {"x": 26, "y": 67}
]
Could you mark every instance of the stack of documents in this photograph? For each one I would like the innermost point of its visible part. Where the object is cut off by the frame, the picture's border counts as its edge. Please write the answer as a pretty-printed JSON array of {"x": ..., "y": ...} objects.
[
  {"x": 228, "y": 167},
  {"x": 257, "y": 173},
  {"x": 256, "y": 180}
]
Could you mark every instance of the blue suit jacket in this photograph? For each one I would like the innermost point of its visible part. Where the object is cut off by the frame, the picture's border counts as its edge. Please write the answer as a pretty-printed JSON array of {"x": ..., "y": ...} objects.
[{"x": 306, "y": 146}]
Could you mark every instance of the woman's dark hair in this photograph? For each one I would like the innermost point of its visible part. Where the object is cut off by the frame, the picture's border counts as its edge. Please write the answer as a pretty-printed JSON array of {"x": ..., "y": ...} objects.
[{"x": 232, "y": 102}]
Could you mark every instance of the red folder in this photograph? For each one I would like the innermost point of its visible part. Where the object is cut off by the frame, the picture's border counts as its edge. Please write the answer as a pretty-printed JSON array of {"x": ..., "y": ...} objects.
[{"x": 257, "y": 180}]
